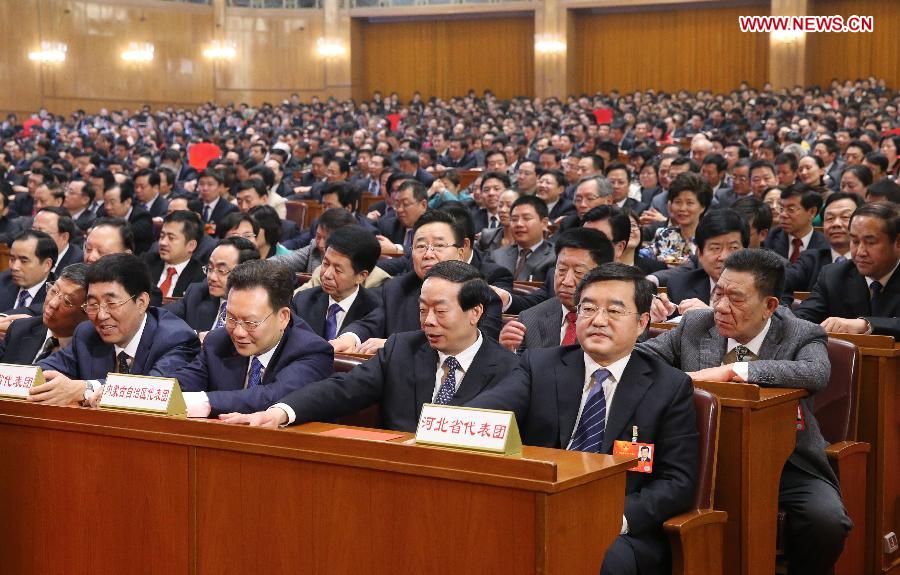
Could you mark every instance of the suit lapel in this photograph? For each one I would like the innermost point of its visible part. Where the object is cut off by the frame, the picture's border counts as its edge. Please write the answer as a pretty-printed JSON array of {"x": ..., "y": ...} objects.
[
  {"x": 478, "y": 375},
  {"x": 629, "y": 393},
  {"x": 424, "y": 371},
  {"x": 772, "y": 342},
  {"x": 318, "y": 311},
  {"x": 551, "y": 324},
  {"x": 569, "y": 385},
  {"x": 138, "y": 366},
  {"x": 272, "y": 368}
]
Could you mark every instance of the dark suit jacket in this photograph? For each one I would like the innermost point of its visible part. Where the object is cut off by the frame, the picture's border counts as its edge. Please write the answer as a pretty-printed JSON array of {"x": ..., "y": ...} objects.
[
  {"x": 222, "y": 209},
  {"x": 633, "y": 206},
  {"x": 312, "y": 307},
  {"x": 481, "y": 218},
  {"x": 204, "y": 248},
  {"x": 159, "y": 207},
  {"x": 9, "y": 229},
  {"x": 85, "y": 219},
  {"x": 192, "y": 273},
  {"x": 142, "y": 225},
  {"x": 301, "y": 357},
  {"x": 401, "y": 378},
  {"x": 802, "y": 274},
  {"x": 564, "y": 207},
  {"x": 9, "y": 293},
  {"x": 793, "y": 354},
  {"x": 399, "y": 311},
  {"x": 197, "y": 308},
  {"x": 26, "y": 336},
  {"x": 779, "y": 242},
  {"x": 536, "y": 266},
  {"x": 543, "y": 324},
  {"x": 467, "y": 162},
  {"x": 694, "y": 283},
  {"x": 545, "y": 390},
  {"x": 841, "y": 291},
  {"x": 22, "y": 204},
  {"x": 166, "y": 344},
  {"x": 73, "y": 255},
  {"x": 392, "y": 228}
]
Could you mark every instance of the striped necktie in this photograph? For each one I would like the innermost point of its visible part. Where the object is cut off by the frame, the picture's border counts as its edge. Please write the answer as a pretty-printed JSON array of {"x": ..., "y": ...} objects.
[{"x": 589, "y": 435}]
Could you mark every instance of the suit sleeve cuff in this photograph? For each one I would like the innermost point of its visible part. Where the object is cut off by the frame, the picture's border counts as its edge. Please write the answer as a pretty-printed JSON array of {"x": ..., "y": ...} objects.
[
  {"x": 197, "y": 403},
  {"x": 287, "y": 409},
  {"x": 624, "y": 530}
]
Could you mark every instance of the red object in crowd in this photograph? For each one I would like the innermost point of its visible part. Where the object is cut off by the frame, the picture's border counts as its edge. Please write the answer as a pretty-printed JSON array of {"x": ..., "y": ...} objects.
[
  {"x": 199, "y": 155},
  {"x": 603, "y": 115},
  {"x": 394, "y": 119}
]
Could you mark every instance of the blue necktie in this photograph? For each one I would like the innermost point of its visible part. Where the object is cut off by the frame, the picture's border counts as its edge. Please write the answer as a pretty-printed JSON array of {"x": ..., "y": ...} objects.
[
  {"x": 331, "y": 321},
  {"x": 840, "y": 259},
  {"x": 875, "y": 287},
  {"x": 255, "y": 377},
  {"x": 220, "y": 319},
  {"x": 448, "y": 386},
  {"x": 23, "y": 298},
  {"x": 589, "y": 435},
  {"x": 206, "y": 213},
  {"x": 407, "y": 241}
]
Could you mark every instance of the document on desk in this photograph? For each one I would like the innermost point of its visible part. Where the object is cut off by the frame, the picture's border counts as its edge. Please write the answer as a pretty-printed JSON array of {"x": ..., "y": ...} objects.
[{"x": 366, "y": 434}]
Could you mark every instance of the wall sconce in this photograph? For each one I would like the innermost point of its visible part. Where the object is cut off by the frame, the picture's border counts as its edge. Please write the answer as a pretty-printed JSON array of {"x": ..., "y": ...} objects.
[
  {"x": 50, "y": 53},
  {"x": 549, "y": 46},
  {"x": 220, "y": 50},
  {"x": 139, "y": 52},
  {"x": 330, "y": 48},
  {"x": 787, "y": 37}
]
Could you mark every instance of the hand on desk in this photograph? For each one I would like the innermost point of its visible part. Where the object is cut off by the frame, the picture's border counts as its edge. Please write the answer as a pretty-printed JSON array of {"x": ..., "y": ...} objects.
[
  {"x": 271, "y": 418},
  {"x": 58, "y": 390},
  {"x": 842, "y": 325},
  {"x": 6, "y": 320},
  {"x": 721, "y": 373},
  {"x": 345, "y": 343},
  {"x": 371, "y": 345}
]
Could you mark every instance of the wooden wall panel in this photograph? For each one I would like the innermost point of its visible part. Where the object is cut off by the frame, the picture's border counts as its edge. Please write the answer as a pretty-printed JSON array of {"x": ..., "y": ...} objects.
[
  {"x": 447, "y": 57},
  {"x": 855, "y": 55},
  {"x": 668, "y": 50},
  {"x": 20, "y": 79}
]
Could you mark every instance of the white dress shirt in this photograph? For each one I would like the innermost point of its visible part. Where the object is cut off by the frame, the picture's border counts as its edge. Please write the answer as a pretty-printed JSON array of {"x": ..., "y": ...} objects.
[
  {"x": 740, "y": 367},
  {"x": 165, "y": 272},
  {"x": 464, "y": 359}
]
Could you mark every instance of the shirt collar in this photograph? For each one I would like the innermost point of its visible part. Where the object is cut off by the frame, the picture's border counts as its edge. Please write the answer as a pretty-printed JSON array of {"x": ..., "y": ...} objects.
[
  {"x": 32, "y": 291},
  {"x": 565, "y": 311},
  {"x": 212, "y": 204},
  {"x": 465, "y": 357},
  {"x": 534, "y": 247},
  {"x": 805, "y": 239},
  {"x": 884, "y": 279},
  {"x": 131, "y": 348},
  {"x": 345, "y": 303},
  {"x": 149, "y": 204},
  {"x": 178, "y": 267},
  {"x": 755, "y": 343},
  {"x": 615, "y": 369},
  {"x": 835, "y": 255},
  {"x": 265, "y": 358}
]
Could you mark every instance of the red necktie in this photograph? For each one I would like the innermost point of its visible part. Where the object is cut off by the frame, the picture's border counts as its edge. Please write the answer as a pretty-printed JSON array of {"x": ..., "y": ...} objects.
[
  {"x": 167, "y": 283},
  {"x": 569, "y": 339},
  {"x": 797, "y": 244}
]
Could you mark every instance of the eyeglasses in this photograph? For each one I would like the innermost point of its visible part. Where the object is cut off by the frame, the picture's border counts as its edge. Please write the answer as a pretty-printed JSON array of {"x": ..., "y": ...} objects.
[
  {"x": 53, "y": 293},
  {"x": 207, "y": 270},
  {"x": 423, "y": 248},
  {"x": 249, "y": 326},
  {"x": 94, "y": 308},
  {"x": 588, "y": 311}
]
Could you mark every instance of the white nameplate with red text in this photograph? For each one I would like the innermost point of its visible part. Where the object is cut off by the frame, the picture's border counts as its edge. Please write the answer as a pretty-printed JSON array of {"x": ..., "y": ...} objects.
[
  {"x": 469, "y": 428},
  {"x": 16, "y": 380},
  {"x": 161, "y": 395}
]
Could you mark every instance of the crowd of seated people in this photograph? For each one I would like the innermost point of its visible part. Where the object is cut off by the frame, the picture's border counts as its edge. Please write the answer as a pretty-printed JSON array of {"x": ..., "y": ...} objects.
[{"x": 501, "y": 254}]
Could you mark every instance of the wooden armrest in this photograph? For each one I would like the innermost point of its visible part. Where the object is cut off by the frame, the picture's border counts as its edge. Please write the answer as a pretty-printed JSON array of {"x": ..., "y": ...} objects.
[
  {"x": 843, "y": 449},
  {"x": 694, "y": 519}
]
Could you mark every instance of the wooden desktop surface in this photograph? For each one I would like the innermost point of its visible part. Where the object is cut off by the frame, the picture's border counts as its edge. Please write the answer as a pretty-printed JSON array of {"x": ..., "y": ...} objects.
[{"x": 87, "y": 491}]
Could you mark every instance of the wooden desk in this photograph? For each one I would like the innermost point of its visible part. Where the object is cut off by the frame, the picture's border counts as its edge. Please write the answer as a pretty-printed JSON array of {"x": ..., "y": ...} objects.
[
  {"x": 757, "y": 433},
  {"x": 879, "y": 425},
  {"x": 4, "y": 257},
  {"x": 85, "y": 491}
]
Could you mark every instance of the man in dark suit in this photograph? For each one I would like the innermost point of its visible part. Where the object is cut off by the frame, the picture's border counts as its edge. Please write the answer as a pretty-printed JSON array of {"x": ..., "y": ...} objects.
[
  {"x": 9, "y": 226},
  {"x": 862, "y": 295},
  {"x": 118, "y": 202},
  {"x": 799, "y": 206},
  {"x": 531, "y": 256},
  {"x": 203, "y": 305},
  {"x": 211, "y": 187},
  {"x": 437, "y": 238},
  {"x": 619, "y": 176},
  {"x": 492, "y": 185},
  {"x": 410, "y": 202},
  {"x": 408, "y": 163},
  {"x": 590, "y": 192},
  {"x": 494, "y": 274},
  {"x": 350, "y": 256},
  {"x": 802, "y": 274},
  {"x": 264, "y": 352},
  {"x": 550, "y": 187},
  {"x": 449, "y": 361},
  {"x": 458, "y": 156},
  {"x": 125, "y": 335},
  {"x": 147, "y": 193},
  {"x": 748, "y": 337},
  {"x": 23, "y": 285},
  {"x": 79, "y": 196},
  {"x": 174, "y": 268},
  {"x": 552, "y": 322},
  {"x": 719, "y": 234},
  {"x": 56, "y": 223},
  {"x": 585, "y": 398},
  {"x": 31, "y": 339},
  {"x": 828, "y": 150}
]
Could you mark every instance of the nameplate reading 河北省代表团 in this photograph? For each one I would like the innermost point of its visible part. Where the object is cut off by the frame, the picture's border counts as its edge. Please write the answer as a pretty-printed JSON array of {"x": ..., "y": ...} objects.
[
  {"x": 160, "y": 395},
  {"x": 469, "y": 428},
  {"x": 16, "y": 380}
]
